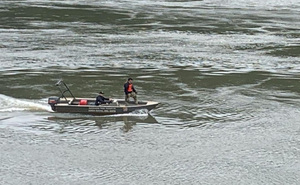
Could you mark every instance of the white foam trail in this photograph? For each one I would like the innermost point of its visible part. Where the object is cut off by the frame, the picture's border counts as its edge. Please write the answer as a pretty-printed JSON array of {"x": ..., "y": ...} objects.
[
  {"x": 10, "y": 104},
  {"x": 142, "y": 113}
]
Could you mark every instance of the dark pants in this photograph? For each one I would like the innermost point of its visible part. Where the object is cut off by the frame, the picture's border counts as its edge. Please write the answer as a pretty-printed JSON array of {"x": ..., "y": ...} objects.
[{"x": 104, "y": 102}]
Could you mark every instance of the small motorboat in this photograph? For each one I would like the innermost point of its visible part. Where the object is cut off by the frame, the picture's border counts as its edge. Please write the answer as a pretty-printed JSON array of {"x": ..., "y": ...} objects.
[{"x": 72, "y": 104}]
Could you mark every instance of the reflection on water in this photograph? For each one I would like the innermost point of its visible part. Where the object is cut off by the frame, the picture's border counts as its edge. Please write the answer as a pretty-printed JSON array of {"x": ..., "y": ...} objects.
[{"x": 86, "y": 124}]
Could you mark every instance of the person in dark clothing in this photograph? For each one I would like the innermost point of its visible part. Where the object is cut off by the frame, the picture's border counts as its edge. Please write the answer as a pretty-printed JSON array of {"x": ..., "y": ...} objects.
[
  {"x": 101, "y": 99},
  {"x": 130, "y": 91}
]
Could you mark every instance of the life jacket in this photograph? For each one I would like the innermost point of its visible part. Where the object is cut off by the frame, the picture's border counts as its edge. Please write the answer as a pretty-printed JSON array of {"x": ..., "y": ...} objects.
[{"x": 129, "y": 89}]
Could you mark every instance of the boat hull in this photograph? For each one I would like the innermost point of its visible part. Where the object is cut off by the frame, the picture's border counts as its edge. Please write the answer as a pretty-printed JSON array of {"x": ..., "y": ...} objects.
[{"x": 119, "y": 107}]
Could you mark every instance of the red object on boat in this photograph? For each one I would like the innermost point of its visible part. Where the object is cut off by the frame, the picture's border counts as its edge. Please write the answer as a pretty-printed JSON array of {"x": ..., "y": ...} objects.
[{"x": 83, "y": 102}]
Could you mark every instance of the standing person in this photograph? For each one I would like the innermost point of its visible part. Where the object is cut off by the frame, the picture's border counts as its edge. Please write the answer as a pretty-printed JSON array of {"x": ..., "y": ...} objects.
[
  {"x": 101, "y": 99},
  {"x": 130, "y": 91}
]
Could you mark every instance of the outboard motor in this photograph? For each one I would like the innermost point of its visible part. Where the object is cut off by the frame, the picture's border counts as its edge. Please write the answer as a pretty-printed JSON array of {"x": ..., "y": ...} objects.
[{"x": 53, "y": 100}]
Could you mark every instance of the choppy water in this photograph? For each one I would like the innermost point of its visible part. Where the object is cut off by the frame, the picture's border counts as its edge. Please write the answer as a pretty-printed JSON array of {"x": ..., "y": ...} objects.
[{"x": 226, "y": 73}]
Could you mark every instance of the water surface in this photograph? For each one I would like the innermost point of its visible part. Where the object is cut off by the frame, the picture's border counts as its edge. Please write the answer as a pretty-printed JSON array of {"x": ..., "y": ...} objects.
[{"x": 226, "y": 74}]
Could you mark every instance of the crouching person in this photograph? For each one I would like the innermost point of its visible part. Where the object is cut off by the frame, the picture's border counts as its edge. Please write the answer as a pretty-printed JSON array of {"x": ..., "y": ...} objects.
[{"x": 102, "y": 100}]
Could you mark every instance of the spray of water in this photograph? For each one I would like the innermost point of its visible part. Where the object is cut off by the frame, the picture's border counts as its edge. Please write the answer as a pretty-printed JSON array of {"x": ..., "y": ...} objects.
[
  {"x": 10, "y": 104},
  {"x": 141, "y": 113}
]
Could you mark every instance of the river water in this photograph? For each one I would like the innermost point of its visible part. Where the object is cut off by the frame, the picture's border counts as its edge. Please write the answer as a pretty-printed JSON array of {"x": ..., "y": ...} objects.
[{"x": 226, "y": 73}]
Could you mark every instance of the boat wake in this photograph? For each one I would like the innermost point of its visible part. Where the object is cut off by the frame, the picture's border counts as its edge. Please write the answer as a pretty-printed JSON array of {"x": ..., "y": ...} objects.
[
  {"x": 142, "y": 113},
  {"x": 10, "y": 104}
]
